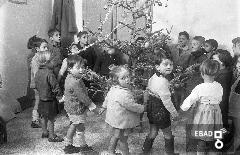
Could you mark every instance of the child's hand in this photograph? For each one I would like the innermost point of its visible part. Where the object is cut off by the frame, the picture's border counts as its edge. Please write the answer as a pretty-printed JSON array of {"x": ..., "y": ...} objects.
[{"x": 61, "y": 99}]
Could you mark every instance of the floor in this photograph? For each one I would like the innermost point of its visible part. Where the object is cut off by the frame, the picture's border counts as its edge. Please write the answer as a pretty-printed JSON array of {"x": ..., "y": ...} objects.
[{"x": 24, "y": 140}]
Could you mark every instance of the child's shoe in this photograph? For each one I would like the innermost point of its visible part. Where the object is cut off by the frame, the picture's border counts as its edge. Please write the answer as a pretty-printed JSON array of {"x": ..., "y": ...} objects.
[
  {"x": 86, "y": 148},
  {"x": 69, "y": 149},
  {"x": 35, "y": 124},
  {"x": 56, "y": 139}
]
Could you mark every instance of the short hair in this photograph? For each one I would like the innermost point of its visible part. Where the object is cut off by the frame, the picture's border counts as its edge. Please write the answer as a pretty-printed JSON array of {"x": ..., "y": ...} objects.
[
  {"x": 213, "y": 43},
  {"x": 81, "y": 33},
  {"x": 51, "y": 32},
  {"x": 185, "y": 34},
  {"x": 73, "y": 59},
  {"x": 201, "y": 39},
  {"x": 34, "y": 42},
  {"x": 236, "y": 40},
  {"x": 161, "y": 56},
  {"x": 210, "y": 67},
  {"x": 225, "y": 57},
  {"x": 115, "y": 72},
  {"x": 42, "y": 57}
]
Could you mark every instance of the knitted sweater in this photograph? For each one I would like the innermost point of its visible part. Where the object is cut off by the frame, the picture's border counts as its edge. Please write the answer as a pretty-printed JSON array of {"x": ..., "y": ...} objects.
[{"x": 76, "y": 95}]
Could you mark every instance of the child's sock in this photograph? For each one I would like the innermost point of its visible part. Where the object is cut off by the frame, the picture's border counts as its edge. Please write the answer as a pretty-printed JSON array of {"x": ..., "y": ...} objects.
[
  {"x": 35, "y": 115},
  {"x": 81, "y": 138}
]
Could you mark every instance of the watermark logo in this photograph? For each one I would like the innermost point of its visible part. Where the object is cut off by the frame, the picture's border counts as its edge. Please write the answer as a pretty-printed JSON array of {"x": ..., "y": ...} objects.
[{"x": 203, "y": 132}]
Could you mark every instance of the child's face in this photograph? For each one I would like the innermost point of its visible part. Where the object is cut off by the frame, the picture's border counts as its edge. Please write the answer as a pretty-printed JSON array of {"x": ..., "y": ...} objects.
[
  {"x": 165, "y": 67},
  {"x": 208, "y": 48},
  {"x": 236, "y": 49},
  {"x": 56, "y": 37},
  {"x": 216, "y": 57},
  {"x": 77, "y": 69},
  {"x": 83, "y": 39},
  {"x": 43, "y": 47},
  {"x": 74, "y": 50},
  {"x": 182, "y": 40},
  {"x": 196, "y": 45},
  {"x": 238, "y": 64},
  {"x": 124, "y": 78}
]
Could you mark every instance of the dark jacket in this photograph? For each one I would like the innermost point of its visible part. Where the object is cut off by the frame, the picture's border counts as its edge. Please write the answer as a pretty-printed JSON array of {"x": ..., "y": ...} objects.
[
  {"x": 90, "y": 55},
  {"x": 196, "y": 57},
  {"x": 225, "y": 79},
  {"x": 104, "y": 61},
  {"x": 56, "y": 58},
  {"x": 76, "y": 96},
  {"x": 46, "y": 84}
]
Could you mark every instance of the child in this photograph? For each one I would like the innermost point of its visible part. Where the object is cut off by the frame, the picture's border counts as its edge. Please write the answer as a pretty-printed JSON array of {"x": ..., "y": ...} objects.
[
  {"x": 197, "y": 56},
  {"x": 76, "y": 104},
  {"x": 48, "y": 88},
  {"x": 159, "y": 105},
  {"x": 234, "y": 108},
  {"x": 73, "y": 51},
  {"x": 211, "y": 45},
  {"x": 206, "y": 100},
  {"x": 89, "y": 54},
  {"x": 224, "y": 77},
  {"x": 54, "y": 48},
  {"x": 40, "y": 45},
  {"x": 122, "y": 111}
]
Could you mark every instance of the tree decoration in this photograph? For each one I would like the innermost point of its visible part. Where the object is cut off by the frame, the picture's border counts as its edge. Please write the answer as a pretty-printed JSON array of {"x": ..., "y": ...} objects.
[{"x": 140, "y": 55}]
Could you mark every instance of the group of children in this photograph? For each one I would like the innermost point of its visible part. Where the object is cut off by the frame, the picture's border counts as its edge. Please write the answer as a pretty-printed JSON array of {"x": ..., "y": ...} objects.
[{"x": 209, "y": 93}]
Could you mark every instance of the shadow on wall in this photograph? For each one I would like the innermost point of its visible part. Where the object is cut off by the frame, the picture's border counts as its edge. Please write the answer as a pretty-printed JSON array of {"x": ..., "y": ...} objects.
[{"x": 18, "y": 24}]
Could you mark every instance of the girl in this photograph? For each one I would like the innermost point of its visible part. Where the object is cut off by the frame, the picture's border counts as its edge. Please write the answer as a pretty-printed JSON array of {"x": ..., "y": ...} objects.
[
  {"x": 48, "y": 88},
  {"x": 206, "y": 99},
  {"x": 40, "y": 45},
  {"x": 159, "y": 105},
  {"x": 122, "y": 111},
  {"x": 76, "y": 104}
]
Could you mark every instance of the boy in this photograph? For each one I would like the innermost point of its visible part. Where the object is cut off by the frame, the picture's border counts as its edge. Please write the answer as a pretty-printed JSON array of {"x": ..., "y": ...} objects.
[
  {"x": 89, "y": 54},
  {"x": 211, "y": 45},
  {"x": 54, "y": 48},
  {"x": 236, "y": 46},
  {"x": 76, "y": 105}
]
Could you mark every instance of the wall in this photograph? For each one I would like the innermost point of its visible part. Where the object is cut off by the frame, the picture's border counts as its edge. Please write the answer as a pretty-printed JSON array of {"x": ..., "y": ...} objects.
[
  {"x": 218, "y": 19},
  {"x": 18, "y": 24}
]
